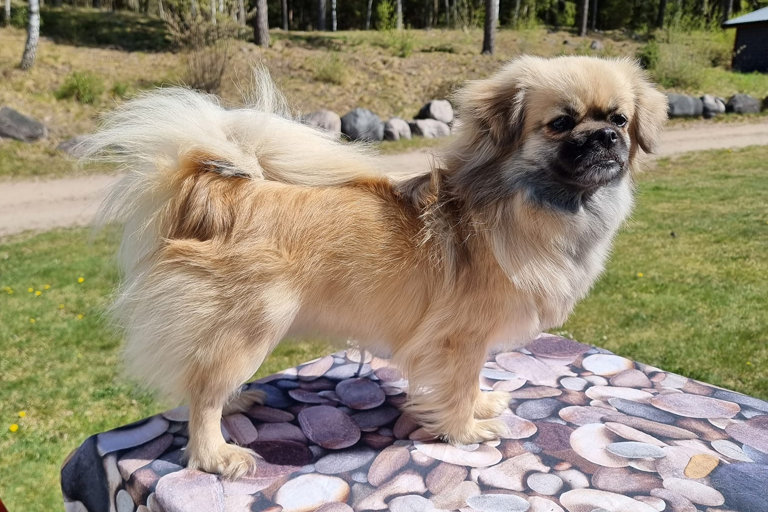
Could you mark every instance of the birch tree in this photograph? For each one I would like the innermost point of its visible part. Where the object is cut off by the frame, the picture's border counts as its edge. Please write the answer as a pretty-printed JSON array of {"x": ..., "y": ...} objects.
[
  {"x": 7, "y": 18},
  {"x": 33, "y": 35},
  {"x": 584, "y": 17},
  {"x": 261, "y": 24},
  {"x": 489, "y": 32}
]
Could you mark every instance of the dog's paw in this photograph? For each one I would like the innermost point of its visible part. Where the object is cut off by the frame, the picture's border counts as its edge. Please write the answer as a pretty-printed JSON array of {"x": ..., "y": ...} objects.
[
  {"x": 477, "y": 431},
  {"x": 228, "y": 460},
  {"x": 491, "y": 403},
  {"x": 244, "y": 401}
]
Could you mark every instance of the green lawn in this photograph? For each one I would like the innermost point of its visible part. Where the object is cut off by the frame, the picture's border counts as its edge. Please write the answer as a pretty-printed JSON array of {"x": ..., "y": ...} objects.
[{"x": 693, "y": 303}]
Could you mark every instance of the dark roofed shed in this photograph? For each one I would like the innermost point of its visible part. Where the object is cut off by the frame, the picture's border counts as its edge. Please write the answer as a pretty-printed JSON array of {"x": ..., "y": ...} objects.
[{"x": 750, "y": 51}]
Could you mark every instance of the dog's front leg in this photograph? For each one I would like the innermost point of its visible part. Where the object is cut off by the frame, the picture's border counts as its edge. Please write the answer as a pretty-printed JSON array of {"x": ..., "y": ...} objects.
[{"x": 445, "y": 394}]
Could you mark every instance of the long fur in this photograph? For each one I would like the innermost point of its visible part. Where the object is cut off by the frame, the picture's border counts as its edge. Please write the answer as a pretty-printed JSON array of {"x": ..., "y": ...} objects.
[{"x": 243, "y": 226}]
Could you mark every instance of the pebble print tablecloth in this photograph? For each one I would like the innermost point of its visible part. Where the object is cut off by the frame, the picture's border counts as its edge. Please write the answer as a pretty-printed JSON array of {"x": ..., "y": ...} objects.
[{"x": 590, "y": 431}]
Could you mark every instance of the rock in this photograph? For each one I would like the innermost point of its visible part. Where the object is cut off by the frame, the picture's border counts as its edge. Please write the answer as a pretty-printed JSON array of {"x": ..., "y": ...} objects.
[
  {"x": 596, "y": 45},
  {"x": 344, "y": 461},
  {"x": 275, "y": 397},
  {"x": 282, "y": 452},
  {"x": 349, "y": 370},
  {"x": 429, "y": 128},
  {"x": 573, "y": 383},
  {"x": 680, "y": 105},
  {"x": 574, "y": 478},
  {"x": 539, "y": 504},
  {"x": 362, "y": 124},
  {"x": 15, "y": 125},
  {"x": 511, "y": 473},
  {"x": 530, "y": 368},
  {"x": 411, "y": 503},
  {"x": 538, "y": 409},
  {"x": 730, "y": 450},
  {"x": 589, "y": 500},
  {"x": 360, "y": 393},
  {"x": 695, "y": 406},
  {"x": 377, "y": 441},
  {"x": 456, "y": 497},
  {"x": 625, "y": 481},
  {"x": 308, "y": 397},
  {"x": 743, "y": 485},
  {"x": 240, "y": 428},
  {"x": 544, "y": 483},
  {"x": 280, "y": 432},
  {"x": 308, "y": 492},
  {"x": 325, "y": 120},
  {"x": 444, "y": 476},
  {"x": 493, "y": 374},
  {"x": 143, "y": 455},
  {"x": 387, "y": 464},
  {"x": 532, "y": 392},
  {"x": 72, "y": 146},
  {"x": 753, "y": 432},
  {"x": 652, "y": 427},
  {"x": 605, "y": 392},
  {"x": 732, "y": 396},
  {"x": 498, "y": 503},
  {"x": 396, "y": 129},
  {"x": 580, "y": 415},
  {"x": 124, "y": 501},
  {"x": 631, "y": 379},
  {"x": 712, "y": 106},
  {"x": 632, "y": 434},
  {"x": 635, "y": 450},
  {"x": 189, "y": 490},
  {"x": 130, "y": 436},
  {"x": 328, "y": 427},
  {"x": 483, "y": 456},
  {"x": 555, "y": 348},
  {"x": 742, "y": 104},
  {"x": 315, "y": 369},
  {"x": 607, "y": 364},
  {"x": 84, "y": 481},
  {"x": 269, "y": 414},
  {"x": 440, "y": 110},
  {"x": 645, "y": 411},
  {"x": 676, "y": 501},
  {"x": 517, "y": 428},
  {"x": 695, "y": 492},
  {"x": 407, "y": 482},
  {"x": 590, "y": 441},
  {"x": 375, "y": 418}
]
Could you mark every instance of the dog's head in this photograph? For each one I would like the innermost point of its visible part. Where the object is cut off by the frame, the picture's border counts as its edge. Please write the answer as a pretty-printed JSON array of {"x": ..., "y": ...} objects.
[{"x": 561, "y": 126}]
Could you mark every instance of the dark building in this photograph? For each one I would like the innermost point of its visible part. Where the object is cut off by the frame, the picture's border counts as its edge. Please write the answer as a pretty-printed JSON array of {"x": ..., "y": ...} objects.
[{"x": 750, "y": 51}]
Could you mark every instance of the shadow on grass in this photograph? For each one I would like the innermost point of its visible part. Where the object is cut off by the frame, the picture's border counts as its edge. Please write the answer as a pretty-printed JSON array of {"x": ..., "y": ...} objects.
[{"x": 97, "y": 28}]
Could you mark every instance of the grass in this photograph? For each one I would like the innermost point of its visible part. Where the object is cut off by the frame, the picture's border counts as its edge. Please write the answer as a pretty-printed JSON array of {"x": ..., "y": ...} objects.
[{"x": 694, "y": 303}]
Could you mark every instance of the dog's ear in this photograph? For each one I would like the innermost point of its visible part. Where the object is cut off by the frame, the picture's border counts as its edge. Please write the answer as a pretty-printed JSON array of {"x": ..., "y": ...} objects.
[
  {"x": 650, "y": 112},
  {"x": 493, "y": 107}
]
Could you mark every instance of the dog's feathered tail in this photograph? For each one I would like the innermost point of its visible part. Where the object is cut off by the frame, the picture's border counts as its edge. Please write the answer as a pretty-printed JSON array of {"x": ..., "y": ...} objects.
[{"x": 182, "y": 154}]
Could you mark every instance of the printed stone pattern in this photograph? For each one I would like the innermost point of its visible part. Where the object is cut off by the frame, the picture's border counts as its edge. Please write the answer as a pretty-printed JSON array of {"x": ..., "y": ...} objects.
[{"x": 589, "y": 430}]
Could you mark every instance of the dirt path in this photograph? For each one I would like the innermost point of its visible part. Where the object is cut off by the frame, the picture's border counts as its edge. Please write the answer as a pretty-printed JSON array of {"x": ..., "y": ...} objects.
[{"x": 45, "y": 204}]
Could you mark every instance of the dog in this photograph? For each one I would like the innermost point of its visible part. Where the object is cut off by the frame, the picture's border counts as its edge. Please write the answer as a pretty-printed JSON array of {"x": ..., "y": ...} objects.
[{"x": 242, "y": 227}]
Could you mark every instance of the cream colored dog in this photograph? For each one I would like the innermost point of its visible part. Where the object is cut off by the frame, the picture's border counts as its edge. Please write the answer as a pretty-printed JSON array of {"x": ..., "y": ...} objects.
[{"x": 242, "y": 226}]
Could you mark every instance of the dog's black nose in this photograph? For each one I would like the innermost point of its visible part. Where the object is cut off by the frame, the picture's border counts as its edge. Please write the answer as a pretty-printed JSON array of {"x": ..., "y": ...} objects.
[{"x": 605, "y": 136}]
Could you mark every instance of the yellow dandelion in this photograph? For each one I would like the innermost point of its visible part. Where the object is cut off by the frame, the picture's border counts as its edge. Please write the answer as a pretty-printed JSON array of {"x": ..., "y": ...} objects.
[
  {"x": 80, "y": 316},
  {"x": 61, "y": 306},
  {"x": 22, "y": 414},
  {"x": 80, "y": 279},
  {"x": 13, "y": 428},
  {"x": 640, "y": 274},
  {"x": 30, "y": 289},
  {"x": 47, "y": 287},
  {"x": 749, "y": 363},
  {"x": 32, "y": 320},
  {"x": 38, "y": 293}
]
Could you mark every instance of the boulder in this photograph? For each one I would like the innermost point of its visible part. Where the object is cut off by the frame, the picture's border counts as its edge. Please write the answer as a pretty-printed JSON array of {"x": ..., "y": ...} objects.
[
  {"x": 429, "y": 128},
  {"x": 765, "y": 103},
  {"x": 71, "y": 146},
  {"x": 325, "y": 120},
  {"x": 440, "y": 110},
  {"x": 362, "y": 124},
  {"x": 15, "y": 125},
  {"x": 743, "y": 104},
  {"x": 596, "y": 45},
  {"x": 396, "y": 129},
  {"x": 712, "y": 106},
  {"x": 681, "y": 105}
]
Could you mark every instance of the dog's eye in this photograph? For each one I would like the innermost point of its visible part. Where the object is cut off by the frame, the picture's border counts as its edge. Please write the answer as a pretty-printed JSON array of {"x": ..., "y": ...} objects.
[
  {"x": 619, "y": 120},
  {"x": 563, "y": 124}
]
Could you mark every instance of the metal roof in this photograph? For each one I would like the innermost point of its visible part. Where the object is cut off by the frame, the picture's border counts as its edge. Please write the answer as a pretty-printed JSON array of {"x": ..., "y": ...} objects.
[{"x": 753, "y": 17}]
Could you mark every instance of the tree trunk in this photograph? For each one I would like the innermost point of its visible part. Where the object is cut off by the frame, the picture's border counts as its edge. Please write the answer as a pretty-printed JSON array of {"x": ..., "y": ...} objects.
[
  {"x": 284, "y": 9},
  {"x": 368, "y": 15},
  {"x": 399, "y": 14},
  {"x": 727, "y": 10},
  {"x": 660, "y": 16},
  {"x": 7, "y": 18},
  {"x": 261, "y": 25},
  {"x": 584, "y": 17},
  {"x": 489, "y": 32},
  {"x": 213, "y": 12},
  {"x": 333, "y": 16},
  {"x": 321, "y": 15},
  {"x": 516, "y": 14},
  {"x": 593, "y": 27},
  {"x": 33, "y": 35}
]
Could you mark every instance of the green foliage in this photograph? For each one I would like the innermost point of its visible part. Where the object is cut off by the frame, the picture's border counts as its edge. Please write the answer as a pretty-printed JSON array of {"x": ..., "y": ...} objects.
[
  {"x": 120, "y": 90},
  {"x": 20, "y": 16},
  {"x": 331, "y": 69},
  {"x": 648, "y": 55},
  {"x": 83, "y": 86},
  {"x": 385, "y": 15}
]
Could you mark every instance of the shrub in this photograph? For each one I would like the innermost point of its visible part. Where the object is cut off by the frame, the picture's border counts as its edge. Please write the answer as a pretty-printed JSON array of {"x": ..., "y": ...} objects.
[
  {"x": 120, "y": 90},
  {"x": 83, "y": 86},
  {"x": 205, "y": 66},
  {"x": 331, "y": 69},
  {"x": 648, "y": 55}
]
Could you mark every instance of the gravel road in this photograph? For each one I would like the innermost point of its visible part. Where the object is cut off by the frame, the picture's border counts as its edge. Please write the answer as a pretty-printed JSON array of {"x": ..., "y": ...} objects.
[{"x": 44, "y": 204}]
